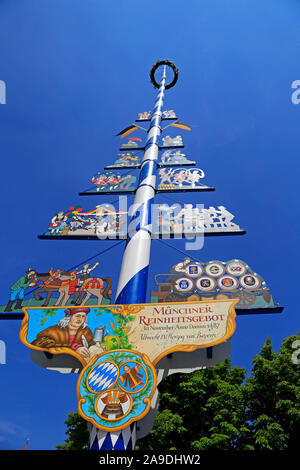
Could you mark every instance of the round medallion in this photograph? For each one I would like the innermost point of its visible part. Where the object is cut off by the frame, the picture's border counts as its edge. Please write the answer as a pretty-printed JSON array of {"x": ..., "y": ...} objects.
[
  {"x": 184, "y": 284},
  {"x": 193, "y": 270},
  {"x": 133, "y": 377},
  {"x": 113, "y": 405},
  {"x": 227, "y": 283},
  {"x": 102, "y": 376},
  {"x": 205, "y": 284},
  {"x": 236, "y": 268},
  {"x": 250, "y": 282},
  {"x": 214, "y": 269}
]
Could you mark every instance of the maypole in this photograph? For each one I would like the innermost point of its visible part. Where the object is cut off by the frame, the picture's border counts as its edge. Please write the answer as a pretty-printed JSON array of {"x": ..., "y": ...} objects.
[
  {"x": 119, "y": 357},
  {"x": 132, "y": 286}
]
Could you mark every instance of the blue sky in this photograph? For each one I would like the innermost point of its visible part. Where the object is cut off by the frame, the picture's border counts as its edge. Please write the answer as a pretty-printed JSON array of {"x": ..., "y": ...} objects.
[{"x": 77, "y": 72}]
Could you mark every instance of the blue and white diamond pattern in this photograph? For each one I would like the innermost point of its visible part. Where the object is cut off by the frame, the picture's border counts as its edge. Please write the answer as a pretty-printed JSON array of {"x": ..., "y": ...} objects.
[
  {"x": 102, "y": 376},
  {"x": 118, "y": 440}
]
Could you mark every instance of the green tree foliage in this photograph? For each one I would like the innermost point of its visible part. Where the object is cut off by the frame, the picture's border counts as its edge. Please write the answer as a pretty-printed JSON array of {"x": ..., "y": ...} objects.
[
  {"x": 272, "y": 395},
  {"x": 223, "y": 408},
  {"x": 201, "y": 411},
  {"x": 77, "y": 433}
]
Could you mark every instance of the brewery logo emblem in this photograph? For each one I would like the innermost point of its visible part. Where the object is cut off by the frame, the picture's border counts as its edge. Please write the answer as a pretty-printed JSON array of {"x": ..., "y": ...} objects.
[
  {"x": 227, "y": 283},
  {"x": 236, "y": 268},
  {"x": 250, "y": 282},
  {"x": 183, "y": 284},
  {"x": 194, "y": 270},
  {"x": 206, "y": 284},
  {"x": 214, "y": 269}
]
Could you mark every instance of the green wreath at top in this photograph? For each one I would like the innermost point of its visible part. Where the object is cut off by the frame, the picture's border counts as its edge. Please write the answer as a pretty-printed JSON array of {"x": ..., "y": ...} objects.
[{"x": 155, "y": 67}]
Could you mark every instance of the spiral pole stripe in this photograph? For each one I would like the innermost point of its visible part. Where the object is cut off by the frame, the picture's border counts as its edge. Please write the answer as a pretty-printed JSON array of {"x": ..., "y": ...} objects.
[{"x": 132, "y": 286}]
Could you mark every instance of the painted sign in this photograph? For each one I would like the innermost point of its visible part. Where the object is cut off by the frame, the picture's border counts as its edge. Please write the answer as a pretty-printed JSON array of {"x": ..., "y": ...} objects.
[
  {"x": 126, "y": 160},
  {"x": 168, "y": 114},
  {"x": 111, "y": 182},
  {"x": 191, "y": 280},
  {"x": 81, "y": 286},
  {"x": 118, "y": 347},
  {"x": 168, "y": 141},
  {"x": 183, "y": 179},
  {"x": 101, "y": 222},
  {"x": 116, "y": 389},
  {"x": 132, "y": 142},
  {"x": 154, "y": 329},
  {"x": 174, "y": 158},
  {"x": 192, "y": 221},
  {"x": 145, "y": 116}
]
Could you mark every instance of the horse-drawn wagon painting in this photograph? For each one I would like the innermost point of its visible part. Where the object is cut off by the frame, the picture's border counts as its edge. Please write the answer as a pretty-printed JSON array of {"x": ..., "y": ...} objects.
[
  {"x": 191, "y": 280},
  {"x": 59, "y": 287}
]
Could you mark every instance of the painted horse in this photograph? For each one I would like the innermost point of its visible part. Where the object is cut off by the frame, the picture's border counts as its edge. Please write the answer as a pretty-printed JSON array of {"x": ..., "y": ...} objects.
[{"x": 66, "y": 284}]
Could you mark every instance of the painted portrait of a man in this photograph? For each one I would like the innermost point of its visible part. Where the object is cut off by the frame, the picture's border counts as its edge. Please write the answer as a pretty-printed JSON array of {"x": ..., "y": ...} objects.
[{"x": 70, "y": 332}]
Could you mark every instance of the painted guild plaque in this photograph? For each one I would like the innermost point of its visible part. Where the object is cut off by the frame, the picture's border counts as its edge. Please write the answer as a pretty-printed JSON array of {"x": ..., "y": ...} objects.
[
  {"x": 102, "y": 222},
  {"x": 107, "y": 182},
  {"x": 167, "y": 114},
  {"x": 126, "y": 160},
  {"x": 145, "y": 116},
  {"x": 170, "y": 142},
  {"x": 181, "y": 179},
  {"x": 174, "y": 158},
  {"x": 132, "y": 142},
  {"x": 155, "y": 329},
  {"x": 190, "y": 220}
]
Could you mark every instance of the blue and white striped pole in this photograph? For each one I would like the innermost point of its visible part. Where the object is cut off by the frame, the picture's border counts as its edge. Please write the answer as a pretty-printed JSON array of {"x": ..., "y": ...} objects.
[{"x": 132, "y": 286}]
